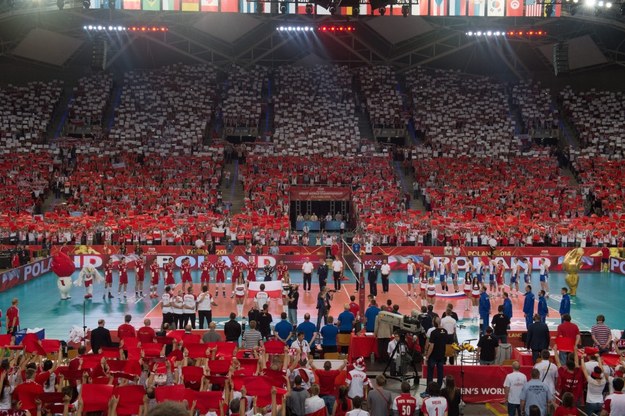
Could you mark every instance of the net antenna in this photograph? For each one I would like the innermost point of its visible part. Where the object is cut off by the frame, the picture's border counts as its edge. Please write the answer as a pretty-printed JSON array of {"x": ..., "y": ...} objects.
[{"x": 354, "y": 263}]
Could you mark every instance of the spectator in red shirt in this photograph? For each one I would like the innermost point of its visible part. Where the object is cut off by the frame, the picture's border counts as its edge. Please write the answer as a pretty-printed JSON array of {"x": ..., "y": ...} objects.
[
  {"x": 13, "y": 317},
  {"x": 326, "y": 380},
  {"x": 146, "y": 333},
  {"x": 605, "y": 258},
  {"x": 27, "y": 391},
  {"x": 568, "y": 329},
  {"x": 126, "y": 330}
]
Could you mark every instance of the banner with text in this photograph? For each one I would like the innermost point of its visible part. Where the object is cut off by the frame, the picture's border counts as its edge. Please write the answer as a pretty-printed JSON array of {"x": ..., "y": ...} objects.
[
  {"x": 617, "y": 265},
  {"x": 482, "y": 383},
  {"x": 320, "y": 193},
  {"x": 23, "y": 274}
]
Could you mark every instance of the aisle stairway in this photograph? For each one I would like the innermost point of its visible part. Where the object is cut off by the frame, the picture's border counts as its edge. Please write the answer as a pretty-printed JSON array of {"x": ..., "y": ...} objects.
[{"x": 232, "y": 191}]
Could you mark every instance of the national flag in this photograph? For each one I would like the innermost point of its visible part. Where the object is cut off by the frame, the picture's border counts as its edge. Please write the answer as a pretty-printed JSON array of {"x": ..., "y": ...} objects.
[
  {"x": 247, "y": 6},
  {"x": 322, "y": 11},
  {"x": 190, "y": 5},
  {"x": 438, "y": 7},
  {"x": 514, "y": 8},
  {"x": 273, "y": 289},
  {"x": 420, "y": 9},
  {"x": 147, "y": 5},
  {"x": 477, "y": 8},
  {"x": 209, "y": 6},
  {"x": 171, "y": 5},
  {"x": 229, "y": 6},
  {"x": 532, "y": 8},
  {"x": 495, "y": 7},
  {"x": 132, "y": 4},
  {"x": 457, "y": 7}
]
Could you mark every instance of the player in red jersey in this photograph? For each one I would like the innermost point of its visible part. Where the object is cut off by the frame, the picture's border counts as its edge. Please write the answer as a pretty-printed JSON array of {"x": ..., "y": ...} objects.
[
  {"x": 237, "y": 266},
  {"x": 185, "y": 271},
  {"x": 405, "y": 404},
  {"x": 205, "y": 277},
  {"x": 499, "y": 271},
  {"x": 282, "y": 270},
  {"x": 108, "y": 278},
  {"x": 154, "y": 275},
  {"x": 123, "y": 277},
  {"x": 139, "y": 276},
  {"x": 169, "y": 273},
  {"x": 220, "y": 276},
  {"x": 251, "y": 269}
]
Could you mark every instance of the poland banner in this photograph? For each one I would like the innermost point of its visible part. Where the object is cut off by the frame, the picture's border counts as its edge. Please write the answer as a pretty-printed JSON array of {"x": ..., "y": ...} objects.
[{"x": 273, "y": 289}]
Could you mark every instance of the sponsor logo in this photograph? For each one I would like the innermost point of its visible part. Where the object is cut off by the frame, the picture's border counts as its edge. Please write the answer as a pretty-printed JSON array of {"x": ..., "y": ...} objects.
[{"x": 617, "y": 265}]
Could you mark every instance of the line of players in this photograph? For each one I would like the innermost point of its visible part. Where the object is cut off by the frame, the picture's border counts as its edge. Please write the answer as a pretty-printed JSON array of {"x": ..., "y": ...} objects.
[
  {"x": 474, "y": 278},
  {"x": 240, "y": 273}
]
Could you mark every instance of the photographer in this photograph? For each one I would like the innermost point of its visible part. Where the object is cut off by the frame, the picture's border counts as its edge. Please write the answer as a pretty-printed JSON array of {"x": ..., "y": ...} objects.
[{"x": 293, "y": 298}]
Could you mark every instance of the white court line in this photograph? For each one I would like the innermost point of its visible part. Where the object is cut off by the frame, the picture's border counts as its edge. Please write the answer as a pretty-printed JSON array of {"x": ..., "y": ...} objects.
[{"x": 403, "y": 291}]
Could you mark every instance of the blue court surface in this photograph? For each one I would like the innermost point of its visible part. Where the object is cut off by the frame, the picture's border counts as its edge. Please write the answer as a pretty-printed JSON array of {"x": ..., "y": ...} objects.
[{"x": 40, "y": 306}]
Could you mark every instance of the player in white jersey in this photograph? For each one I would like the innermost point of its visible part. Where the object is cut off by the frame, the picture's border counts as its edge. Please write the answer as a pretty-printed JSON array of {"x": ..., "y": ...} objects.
[
  {"x": 435, "y": 405},
  {"x": 410, "y": 276},
  {"x": 544, "y": 275},
  {"x": 453, "y": 268},
  {"x": 442, "y": 275}
]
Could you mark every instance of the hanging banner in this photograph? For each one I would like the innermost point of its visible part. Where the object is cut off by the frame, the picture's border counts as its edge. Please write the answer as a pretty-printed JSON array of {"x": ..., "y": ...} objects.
[{"x": 320, "y": 193}]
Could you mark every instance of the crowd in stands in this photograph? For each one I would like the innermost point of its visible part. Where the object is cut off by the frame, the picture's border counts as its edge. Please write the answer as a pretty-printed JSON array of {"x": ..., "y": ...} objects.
[
  {"x": 166, "y": 110},
  {"x": 383, "y": 101},
  {"x": 163, "y": 115},
  {"x": 461, "y": 115},
  {"x": 89, "y": 100},
  {"x": 26, "y": 112},
  {"x": 242, "y": 105},
  {"x": 314, "y": 112},
  {"x": 535, "y": 103}
]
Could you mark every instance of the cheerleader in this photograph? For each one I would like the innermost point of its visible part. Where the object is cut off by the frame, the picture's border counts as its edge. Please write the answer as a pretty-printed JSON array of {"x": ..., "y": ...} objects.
[
  {"x": 423, "y": 285},
  {"x": 468, "y": 286},
  {"x": 286, "y": 288},
  {"x": 475, "y": 296},
  {"x": 239, "y": 295},
  {"x": 154, "y": 275},
  {"x": 431, "y": 291}
]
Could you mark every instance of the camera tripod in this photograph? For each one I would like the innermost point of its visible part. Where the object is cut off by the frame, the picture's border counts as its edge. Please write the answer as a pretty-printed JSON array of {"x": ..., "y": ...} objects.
[{"x": 401, "y": 350}]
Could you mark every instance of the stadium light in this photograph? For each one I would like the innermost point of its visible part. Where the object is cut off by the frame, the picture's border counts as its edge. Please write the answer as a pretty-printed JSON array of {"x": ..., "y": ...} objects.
[{"x": 295, "y": 28}]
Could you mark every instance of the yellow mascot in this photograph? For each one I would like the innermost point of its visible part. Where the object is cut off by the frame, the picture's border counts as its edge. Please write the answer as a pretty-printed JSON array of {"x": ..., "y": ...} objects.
[{"x": 571, "y": 265}]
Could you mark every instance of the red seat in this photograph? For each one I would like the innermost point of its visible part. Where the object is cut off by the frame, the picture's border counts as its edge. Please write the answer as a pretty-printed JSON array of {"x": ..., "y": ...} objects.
[
  {"x": 130, "y": 399},
  {"x": 95, "y": 397},
  {"x": 192, "y": 377}
]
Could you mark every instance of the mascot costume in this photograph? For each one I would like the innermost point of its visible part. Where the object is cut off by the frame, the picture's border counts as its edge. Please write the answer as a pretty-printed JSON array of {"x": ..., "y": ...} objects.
[
  {"x": 571, "y": 265},
  {"x": 63, "y": 267},
  {"x": 88, "y": 276}
]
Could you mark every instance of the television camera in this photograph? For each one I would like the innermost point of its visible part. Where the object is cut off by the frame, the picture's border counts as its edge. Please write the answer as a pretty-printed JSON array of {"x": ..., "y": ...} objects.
[{"x": 403, "y": 324}]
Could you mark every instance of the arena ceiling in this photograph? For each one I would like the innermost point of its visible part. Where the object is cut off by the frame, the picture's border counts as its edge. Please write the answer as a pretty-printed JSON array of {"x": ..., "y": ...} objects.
[{"x": 252, "y": 39}]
